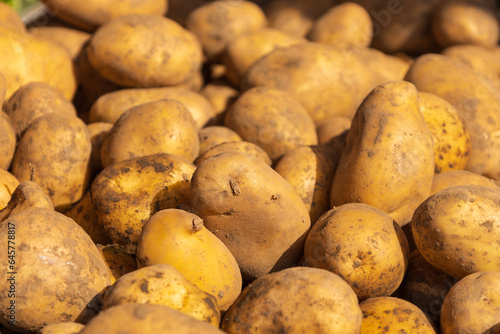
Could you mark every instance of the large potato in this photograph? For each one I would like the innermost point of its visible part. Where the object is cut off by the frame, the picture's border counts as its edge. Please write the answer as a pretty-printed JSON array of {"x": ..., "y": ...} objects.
[
  {"x": 253, "y": 210},
  {"x": 27, "y": 195},
  {"x": 457, "y": 229},
  {"x": 295, "y": 300},
  {"x": 8, "y": 140},
  {"x": 144, "y": 51},
  {"x": 388, "y": 161},
  {"x": 454, "y": 178},
  {"x": 55, "y": 263},
  {"x": 8, "y": 184}
]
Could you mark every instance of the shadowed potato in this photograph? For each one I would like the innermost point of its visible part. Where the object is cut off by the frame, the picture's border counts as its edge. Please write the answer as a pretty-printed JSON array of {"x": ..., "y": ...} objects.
[
  {"x": 8, "y": 184},
  {"x": 454, "y": 178},
  {"x": 8, "y": 140},
  {"x": 212, "y": 136}
]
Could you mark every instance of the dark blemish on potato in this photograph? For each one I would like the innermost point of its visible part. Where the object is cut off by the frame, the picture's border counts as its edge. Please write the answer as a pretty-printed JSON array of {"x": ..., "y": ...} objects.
[
  {"x": 125, "y": 170},
  {"x": 129, "y": 230},
  {"x": 274, "y": 197},
  {"x": 144, "y": 287},
  {"x": 488, "y": 224},
  {"x": 382, "y": 123},
  {"x": 24, "y": 247},
  {"x": 370, "y": 153},
  {"x": 235, "y": 189}
]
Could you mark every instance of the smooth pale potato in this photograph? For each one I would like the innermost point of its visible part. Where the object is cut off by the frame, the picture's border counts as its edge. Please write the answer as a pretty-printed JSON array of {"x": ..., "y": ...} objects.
[
  {"x": 8, "y": 140},
  {"x": 109, "y": 107},
  {"x": 57, "y": 264},
  {"x": 452, "y": 142},
  {"x": 72, "y": 40},
  {"x": 474, "y": 294},
  {"x": 219, "y": 22},
  {"x": 457, "y": 229},
  {"x": 118, "y": 261},
  {"x": 33, "y": 100},
  {"x": 235, "y": 146},
  {"x": 307, "y": 72},
  {"x": 163, "y": 126},
  {"x": 178, "y": 238},
  {"x": 54, "y": 152},
  {"x": 9, "y": 19},
  {"x": 332, "y": 127},
  {"x": 26, "y": 196},
  {"x": 393, "y": 315},
  {"x": 214, "y": 135},
  {"x": 127, "y": 193},
  {"x": 475, "y": 99},
  {"x": 8, "y": 184},
  {"x": 361, "y": 244},
  {"x": 295, "y": 300},
  {"x": 63, "y": 328},
  {"x": 243, "y": 51},
  {"x": 221, "y": 95},
  {"x": 144, "y": 51},
  {"x": 346, "y": 24},
  {"x": 97, "y": 132},
  {"x": 310, "y": 170},
  {"x": 465, "y": 22},
  {"x": 271, "y": 119},
  {"x": 162, "y": 284},
  {"x": 388, "y": 160},
  {"x": 454, "y": 178},
  {"x": 388, "y": 67},
  {"x": 92, "y": 14},
  {"x": 146, "y": 318}
]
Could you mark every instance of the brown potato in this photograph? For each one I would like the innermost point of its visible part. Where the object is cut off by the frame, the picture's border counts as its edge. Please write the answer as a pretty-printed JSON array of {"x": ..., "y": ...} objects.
[
  {"x": 9, "y": 19},
  {"x": 212, "y": 136},
  {"x": 454, "y": 178},
  {"x": 236, "y": 146},
  {"x": 62, "y": 328},
  {"x": 8, "y": 183},
  {"x": 72, "y": 40},
  {"x": 27, "y": 195},
  {"x": 8, "y": 140}
]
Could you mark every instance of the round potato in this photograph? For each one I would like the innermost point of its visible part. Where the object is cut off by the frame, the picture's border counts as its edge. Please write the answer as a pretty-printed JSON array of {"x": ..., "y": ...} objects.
[
  {"x": 8, "y": 140},
  {"x": 236, "y": 146},
  {"x": 8, "y": 184},
  {"x": 118, "y": 261},
  {"x": 212, "y": 136},
  {"x": 27, "y": 195}
]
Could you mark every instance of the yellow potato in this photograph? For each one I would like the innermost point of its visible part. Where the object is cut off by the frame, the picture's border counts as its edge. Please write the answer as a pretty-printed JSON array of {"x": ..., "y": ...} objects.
[
  {"x": 331, "y": 127},
  {"x": 62, "y": 328},
  {"x": 454, "y": 178},
  {"x": 8, "y": 140},
  {"x": 235, "y": 146},
  {"x": 221, "y": 96},
  {"x": 72, "y": 40},
  {"x": 9, "y": 19},
  {"x": 26, "y": 196},
  {"x": 118, "y": 261},
  {"x": 212, "y": 136},
  {"x": 387, "y": 67},
  {"x": 8, "y": 184}
]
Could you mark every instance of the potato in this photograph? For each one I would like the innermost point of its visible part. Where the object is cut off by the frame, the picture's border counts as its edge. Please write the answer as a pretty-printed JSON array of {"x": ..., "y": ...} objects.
[
  {"x": 346, "y": 24},
  {"x": 310, "y": 170},
  {"x": 212, "y": 136},
  {"x": 221, "y": 96},
  {"x": 33, "y": 100},
  {"x": 9, "y": 19},
  {"x": 295, "y": 300},
  {"x": 8, "y": 183},
  {"x": 388, "y": 161},
  {"x": 307, "y": 72},
  {"x": 473, "y": 295},
  {"x": 162, "y": 284},
  {"x": 475, "y": 99},
  {"x": 3, "y": 88},
  {"x": 178, "y": 238},
  {"x": 163, "y": 126},
  {"x": 452, "y": 142},
  {"x": 253, "y": 210},
  {"x": 236, "y": 146},
  {"x": 243, "y": 51},
  {"x": 94, "y": 13},
  {"x": 97, "y": 132},
  {"x": 56, "y": 263},
  {"x": 26, "y": 196},
  {"x": 118, "y": 261},
  {"x": 71, "y": 40},
  {"x": 109, "y": 107},
  {"x": 127, "y": 193},
  {"x": 465, "y": 22},
  {"x": 146, "y": 318},
  {"x": 219, "y": 22},
  {"x": 456, "y": 229},
  {"x": 454, "y": 178},
  {"x": 144, "y": 51},
  {"x": 8, "y": 140},
  {"x": 54, "y": 151},
  {"x": 361, "y": 244},
  {"x": 393, "y": 315},
  {"x": 331, "y": 127},
  {"x": 63, "y": 328},
  {"x": 388, "y": 68}
]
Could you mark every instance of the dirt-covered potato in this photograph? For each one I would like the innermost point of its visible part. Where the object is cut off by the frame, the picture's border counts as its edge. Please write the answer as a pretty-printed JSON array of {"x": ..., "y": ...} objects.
[
  {"x": 271, "y": 119},
  {"x": 388, "y": 161},
  {"x": 473, "y": 304},
  {"x": 454, "y": 178},
  {"x": 144, "y": 51},
  {"x": 475, "y": 99},
  {"x": 118, "y": 261},
  {"x": 127, "y": 193},
  {"x": 332, "y": 127},
  {"x": 457, "y": 229},
  {"x": 162, "y": 284},
  {"x": 33, "y": 100},
  {"x": 109, "y": 107},
  {"x": 146, "y": 318},
  {"x": 72, "y": 40},
  {"x": 54, "y": 152},
  {"x": 308, "y": 71},
  {"x": 8, "y": 140},
  {"x": 451, "y": 139},
  {"x": 393, "y": 315},
  {"x": 363, "y": 245},
  {"x": 26, "y": 196},
  {"x": 219, "y": 22},
  {"x": 212, "y": 136},
  {"x": 346, "y": 24},
  {"x": 91, "y": 14},
  {"x": 9, "y": 19},
  {"x": 253, "y": 210},
  {"x": 63, "y": 328},
  {"x": 236, "y": 146},
  {"x": 56, "y": 263},
  {"x": 163, "y": 126},
  {"x": 295, "y": 300},
  {"x": 8, "y": 184},
  {"x": 221, "y": 96}
]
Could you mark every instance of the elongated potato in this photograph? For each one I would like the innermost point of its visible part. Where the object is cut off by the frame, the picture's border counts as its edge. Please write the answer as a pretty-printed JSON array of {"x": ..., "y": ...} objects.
[
  {"x": 8, "y": 141},
  {"x": 454, "y": 178}
]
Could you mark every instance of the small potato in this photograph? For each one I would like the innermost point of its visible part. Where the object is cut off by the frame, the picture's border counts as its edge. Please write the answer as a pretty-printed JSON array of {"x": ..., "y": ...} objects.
[
  {"x": 27, "y": 195},
  {"x": 346, "y": 24},
  {"x": 295, "y": 300},
  {"x": 221, "y": 96},
  {"x": 71, "y": 40},
  {"x": 361, "y": 244},
  {"x": 144, "y": 51},
  {"x": 163, "y": 126},
  {"x": 332, "y": 127},
  {"x": 8, "y": 184},
  {"x": 454, "y": 178},
  {"x": 118, "y": 261},
  {"x": 8, "y": 140},
  {"x": 236, "y": 146},
  {"x": 219, "y": 22},
  {"x": 457, "y": 229},
  {"x": 9, "y": 19},
  {"x": 214, "y": 135},
  {"x": 472, "y": 305},
  {"x": 63, "y": 328}
]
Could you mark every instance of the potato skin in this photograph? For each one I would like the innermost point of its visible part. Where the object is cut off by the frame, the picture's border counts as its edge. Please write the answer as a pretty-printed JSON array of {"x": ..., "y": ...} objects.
[
  {"x": 295, "y": 300},
  {"x": 236, "y": 146},
  {"x": 157, "y": 52},
  {"x": 10, "y": 20},
  {"x": 212, "y": 136},
  {"x": 62, "y": 328},
  {"x": 454, "y": 178},
  {"x": 8, "y": 141},
  {"x": 118, "y": 261},
  {"x": 8, "y": 184},
  {"x": 445, "y": 227},
  {"x": 26, "y": 196},
  {"x": 72, "y": 40}
]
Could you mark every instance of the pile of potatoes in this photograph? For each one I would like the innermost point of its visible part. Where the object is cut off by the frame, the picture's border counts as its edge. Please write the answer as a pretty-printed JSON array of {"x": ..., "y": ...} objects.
[{"x": 268, "y": 166}]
